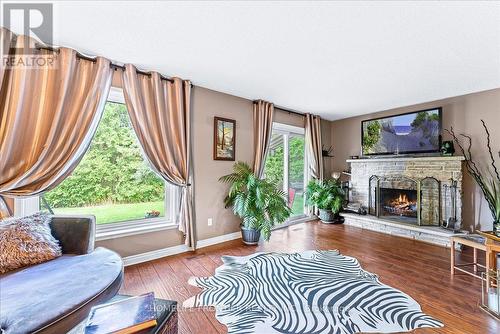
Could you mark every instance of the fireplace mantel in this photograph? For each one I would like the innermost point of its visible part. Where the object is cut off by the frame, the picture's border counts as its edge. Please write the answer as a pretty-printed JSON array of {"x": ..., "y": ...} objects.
[{"x": 403, "y": 158}]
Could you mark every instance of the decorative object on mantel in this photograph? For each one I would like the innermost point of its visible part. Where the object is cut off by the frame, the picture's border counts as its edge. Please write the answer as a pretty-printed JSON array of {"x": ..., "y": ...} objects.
[
  {"x": 354, "y": 157},
  {"x": 224, "y": 139},
  {"x": 328, "y": 198},
  {"x": 447, "y": 148},
  {"x": 488, "y": 182},
  {"x": 308, "y": 292}
]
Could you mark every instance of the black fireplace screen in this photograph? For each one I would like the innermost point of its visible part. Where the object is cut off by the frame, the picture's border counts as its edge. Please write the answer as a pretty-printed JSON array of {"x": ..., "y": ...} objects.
[{"x": 403, "y": 199}]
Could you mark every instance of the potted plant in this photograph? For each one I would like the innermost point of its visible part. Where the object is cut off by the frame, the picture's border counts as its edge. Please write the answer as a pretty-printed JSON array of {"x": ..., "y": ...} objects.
[
  {"x": 327, "y": 196},
  {"x": 488, "y": 180},
  {"x": 259, "y": 203}
]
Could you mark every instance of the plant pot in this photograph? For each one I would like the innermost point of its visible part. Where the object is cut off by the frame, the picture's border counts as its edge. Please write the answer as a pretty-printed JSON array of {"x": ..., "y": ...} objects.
[
  {"x": 328, "y": 217},
  {"x": 496, "y": 228},
  {"x": 250, "y": 236}
]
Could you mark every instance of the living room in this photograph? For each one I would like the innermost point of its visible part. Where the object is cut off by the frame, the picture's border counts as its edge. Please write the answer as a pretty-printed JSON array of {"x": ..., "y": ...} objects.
[{"x": 250, "y": 167}]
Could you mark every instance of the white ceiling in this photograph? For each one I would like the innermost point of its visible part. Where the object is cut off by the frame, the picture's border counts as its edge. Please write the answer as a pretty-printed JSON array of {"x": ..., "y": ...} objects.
[{"x": 337, "y": 59}]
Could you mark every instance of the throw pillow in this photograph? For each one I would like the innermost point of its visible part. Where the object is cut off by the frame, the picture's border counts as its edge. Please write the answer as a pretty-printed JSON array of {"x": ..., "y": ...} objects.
[{"x": 26, "y": 241}]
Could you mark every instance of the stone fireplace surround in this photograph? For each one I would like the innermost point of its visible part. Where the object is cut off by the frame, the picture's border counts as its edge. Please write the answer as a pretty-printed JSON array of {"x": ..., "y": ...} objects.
[{"x": 441, "y": 168}]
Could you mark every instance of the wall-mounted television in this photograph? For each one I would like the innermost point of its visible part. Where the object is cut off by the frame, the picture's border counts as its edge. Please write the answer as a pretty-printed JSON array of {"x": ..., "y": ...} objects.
[{"x": 410, "y": 133}]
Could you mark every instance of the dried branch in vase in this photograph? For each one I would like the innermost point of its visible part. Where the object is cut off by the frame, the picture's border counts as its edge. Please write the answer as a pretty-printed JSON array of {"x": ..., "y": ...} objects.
[{"x": 489, "y": 181}]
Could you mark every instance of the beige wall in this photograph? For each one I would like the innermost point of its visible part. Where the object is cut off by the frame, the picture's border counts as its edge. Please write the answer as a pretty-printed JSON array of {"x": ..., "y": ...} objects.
[
  {"x": 209, "y": 192},
  {"x": 461, "y": 112}
]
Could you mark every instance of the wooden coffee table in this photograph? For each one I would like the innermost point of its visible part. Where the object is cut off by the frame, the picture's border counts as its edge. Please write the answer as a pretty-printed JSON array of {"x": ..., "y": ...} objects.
[{"x": 166, "y": 318}]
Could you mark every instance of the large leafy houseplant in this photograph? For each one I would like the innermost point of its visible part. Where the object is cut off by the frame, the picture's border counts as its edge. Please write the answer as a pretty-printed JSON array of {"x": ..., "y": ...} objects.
[
  {"x": 327, "y": 196},
  {"x": 259, "y": 203},
  {"x": 489, "y": 180}
]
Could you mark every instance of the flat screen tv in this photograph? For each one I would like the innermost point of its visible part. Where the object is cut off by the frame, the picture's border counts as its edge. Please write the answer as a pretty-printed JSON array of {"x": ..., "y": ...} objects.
[{"x": 410, "y": 133}]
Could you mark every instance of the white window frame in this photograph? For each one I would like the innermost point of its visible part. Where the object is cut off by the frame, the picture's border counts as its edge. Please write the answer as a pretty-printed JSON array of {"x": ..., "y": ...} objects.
[
  {"x": 24, "y": 206},
  {"x": 286, "y": 130}
]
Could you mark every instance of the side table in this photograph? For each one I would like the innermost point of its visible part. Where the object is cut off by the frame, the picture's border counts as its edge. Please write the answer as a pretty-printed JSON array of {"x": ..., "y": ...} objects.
[
  {"x": 472, "y": 240},
  {"x": 166, "y": 318}
]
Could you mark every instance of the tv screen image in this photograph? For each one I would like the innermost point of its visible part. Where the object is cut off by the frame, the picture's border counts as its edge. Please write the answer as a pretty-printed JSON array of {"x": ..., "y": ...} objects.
[{"x": 415, "y": 132}]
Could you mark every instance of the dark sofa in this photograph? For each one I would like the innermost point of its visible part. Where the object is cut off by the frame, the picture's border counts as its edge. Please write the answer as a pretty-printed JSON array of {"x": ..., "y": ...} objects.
[{"x": 54, "y": 296}]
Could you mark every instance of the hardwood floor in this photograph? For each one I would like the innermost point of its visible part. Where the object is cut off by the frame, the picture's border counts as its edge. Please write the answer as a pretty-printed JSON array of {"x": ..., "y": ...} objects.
[{"x": 418, "y": 269}]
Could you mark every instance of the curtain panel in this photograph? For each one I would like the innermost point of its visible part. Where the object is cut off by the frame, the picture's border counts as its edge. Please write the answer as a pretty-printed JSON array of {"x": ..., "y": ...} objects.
[
  {"x": 314, "y": 146},
  {"x": 263, "y": 115},
  {"x": 7, "y": 39},
  {"x": 160, "y": 113},
  {"x": 48, "y": 116}
]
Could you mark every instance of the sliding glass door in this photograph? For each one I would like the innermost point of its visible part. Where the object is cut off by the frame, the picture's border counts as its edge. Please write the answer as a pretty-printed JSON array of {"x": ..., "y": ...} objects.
[{"x": 285, "y": 165}]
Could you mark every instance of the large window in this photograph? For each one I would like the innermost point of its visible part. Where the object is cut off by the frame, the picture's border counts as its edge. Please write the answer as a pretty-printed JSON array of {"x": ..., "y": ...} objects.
[
  {"x": 285, "y": 164},
  {"x": 113, "y": 181}
]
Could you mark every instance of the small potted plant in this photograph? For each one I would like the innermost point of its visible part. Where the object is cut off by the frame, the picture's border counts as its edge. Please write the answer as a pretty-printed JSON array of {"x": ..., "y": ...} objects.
[
  {"x": 327, "y": 196},
  {"x": 259, "y": 203}
]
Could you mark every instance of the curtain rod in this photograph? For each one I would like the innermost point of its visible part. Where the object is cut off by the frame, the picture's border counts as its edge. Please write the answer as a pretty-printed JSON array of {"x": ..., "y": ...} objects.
[
  {"x": 290, "y": 111},
  {"x": 94, "y": 59}
]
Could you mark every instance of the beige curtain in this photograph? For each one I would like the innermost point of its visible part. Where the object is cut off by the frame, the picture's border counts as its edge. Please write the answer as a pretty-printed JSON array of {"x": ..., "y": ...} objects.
[
  {"x": 160, "y": 112},
  {"x": 263, "y": 114},
  {"x": 314, "y": 146},
  {"x": 7, "y": 38},
  {"x": 48, "y": 116}
]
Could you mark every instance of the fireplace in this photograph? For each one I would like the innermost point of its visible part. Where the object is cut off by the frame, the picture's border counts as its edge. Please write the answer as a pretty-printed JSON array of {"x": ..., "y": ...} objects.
[
  {"x": 399, "y": 204},
  {"x": 403, "y": 199}
]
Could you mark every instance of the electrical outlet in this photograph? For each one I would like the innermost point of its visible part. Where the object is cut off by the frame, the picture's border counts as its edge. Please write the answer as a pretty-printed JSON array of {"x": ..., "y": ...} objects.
[{"x": 210, "y": 221}]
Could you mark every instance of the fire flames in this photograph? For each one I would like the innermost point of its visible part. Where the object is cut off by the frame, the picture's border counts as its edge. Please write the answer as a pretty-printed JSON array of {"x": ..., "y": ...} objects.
[
  {"x": 402, "y": 199},
  {"x": 401, "y": 205}
]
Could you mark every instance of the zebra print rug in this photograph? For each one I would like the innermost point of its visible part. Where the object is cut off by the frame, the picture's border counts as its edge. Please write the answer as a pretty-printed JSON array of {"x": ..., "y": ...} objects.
[{"x": 308, "y": 292}]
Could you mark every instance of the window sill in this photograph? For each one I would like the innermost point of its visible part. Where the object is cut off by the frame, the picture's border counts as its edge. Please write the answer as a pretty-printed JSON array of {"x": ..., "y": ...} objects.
[{"x": 130, "y": 228}]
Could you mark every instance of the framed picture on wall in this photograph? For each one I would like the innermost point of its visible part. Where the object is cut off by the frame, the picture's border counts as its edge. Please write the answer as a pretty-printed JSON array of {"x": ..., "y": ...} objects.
[{"x": 224, "y": 139}]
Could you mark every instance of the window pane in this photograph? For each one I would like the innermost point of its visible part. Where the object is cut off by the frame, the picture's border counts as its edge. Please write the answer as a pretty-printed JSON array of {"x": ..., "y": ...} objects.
[
  {"x": 273, "y": 169},
  {"x": 287, "y": 169},
  {"x": 296, "y": 174},
  {"x": 113, "y": 181}
]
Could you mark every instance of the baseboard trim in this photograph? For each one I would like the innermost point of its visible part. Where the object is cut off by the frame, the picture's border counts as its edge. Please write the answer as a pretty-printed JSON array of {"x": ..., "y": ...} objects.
[
  {"x": 218, "y": 240},
  {"x": 169, "y": 251},
  {"x": 156, "y": 254}
]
